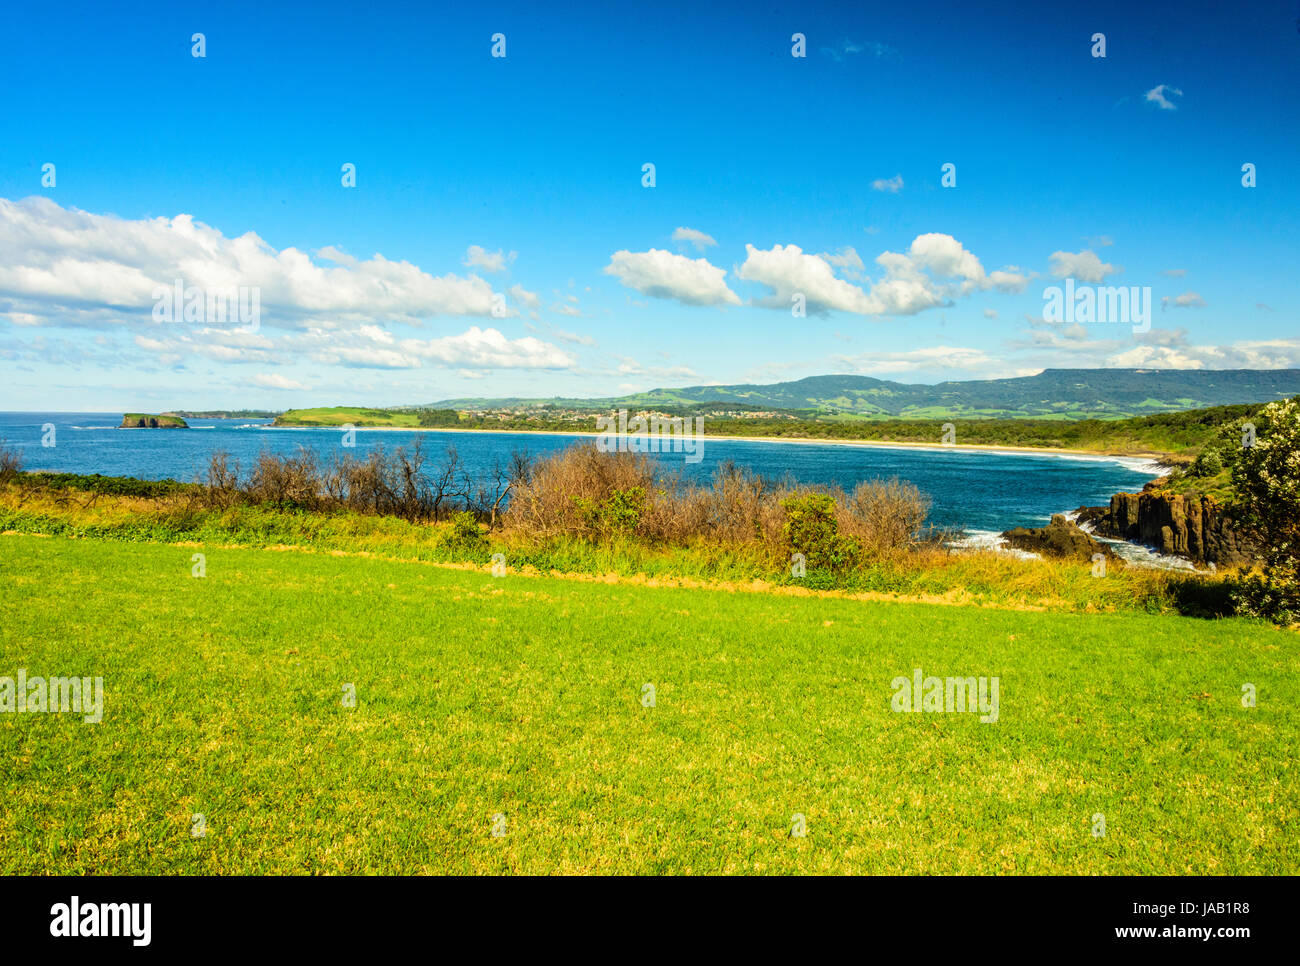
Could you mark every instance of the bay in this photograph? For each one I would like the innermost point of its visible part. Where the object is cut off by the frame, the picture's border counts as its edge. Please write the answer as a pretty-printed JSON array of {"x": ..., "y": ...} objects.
[{"x": 982, "y": 492}]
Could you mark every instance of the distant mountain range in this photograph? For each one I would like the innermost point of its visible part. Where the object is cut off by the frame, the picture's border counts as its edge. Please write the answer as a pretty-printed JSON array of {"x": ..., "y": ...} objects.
[{"x": 1053, "y": 393}]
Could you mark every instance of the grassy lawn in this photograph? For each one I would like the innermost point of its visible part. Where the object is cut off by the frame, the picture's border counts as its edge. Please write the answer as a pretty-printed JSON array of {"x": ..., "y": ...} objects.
[{"x": 521, "y": 697}]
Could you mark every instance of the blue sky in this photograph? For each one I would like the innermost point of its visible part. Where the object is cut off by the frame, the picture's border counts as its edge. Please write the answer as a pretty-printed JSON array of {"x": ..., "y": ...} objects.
[{"x": 1123, "y": 170}]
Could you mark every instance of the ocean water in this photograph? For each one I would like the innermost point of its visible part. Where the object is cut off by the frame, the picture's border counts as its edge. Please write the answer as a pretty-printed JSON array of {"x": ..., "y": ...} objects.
[{"x": 981, "y": 492}]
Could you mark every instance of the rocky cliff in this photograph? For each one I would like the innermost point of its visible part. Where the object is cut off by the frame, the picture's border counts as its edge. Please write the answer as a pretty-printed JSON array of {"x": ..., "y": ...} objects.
[{"x": 1196, "y": 527}]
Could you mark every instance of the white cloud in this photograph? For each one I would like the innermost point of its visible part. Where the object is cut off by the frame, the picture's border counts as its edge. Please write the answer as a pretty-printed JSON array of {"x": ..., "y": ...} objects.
[
  {"x": 1264, "y": 354},
  {"x": 65, "y": 267},
  {"x": 1187, "y": 300},
  {"x": 1050, "y": 347},
  {"x": 699, "y": 239},
  {"x": 489, "y": 349},
  {"x": 1084, "y": 265},
  {"x": 847, "y": 261},
  {"x": 933, "y": 359},
  {"x": 848, "y": 48},
  {"x": 892, "y": 185},
  {"x": 71, "y": 267},
  {"x": 664, "y": 275},
  {"x": 788, "y": 270},
  {"x": 936, "y": 269},
  {"x": 273, "y": 380},
  {"x": 529, "y": 300},
  {"x": 573, "y": 337},
  {"x": 477, "y": 257},
  {"x": 1157, "y": 97},
  {"x": 1174, "y": 272},
  {"x": 631, "y": 367}
]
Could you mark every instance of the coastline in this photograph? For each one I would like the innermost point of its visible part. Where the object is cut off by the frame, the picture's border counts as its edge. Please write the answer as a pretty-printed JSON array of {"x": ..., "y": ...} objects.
[{"x": 1141, "y": 456}]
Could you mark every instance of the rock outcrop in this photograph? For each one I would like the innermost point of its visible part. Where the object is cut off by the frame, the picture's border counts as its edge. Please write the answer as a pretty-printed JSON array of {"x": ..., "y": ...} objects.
[
  {"x": 1192, "y": 526},
  {"x": 147, "y": 421},
  {"x": 1060, "y": 538}
]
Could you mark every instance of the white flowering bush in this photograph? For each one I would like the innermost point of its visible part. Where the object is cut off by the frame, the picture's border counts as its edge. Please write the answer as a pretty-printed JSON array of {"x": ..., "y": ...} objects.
[{"x": 1266, "y": 477}]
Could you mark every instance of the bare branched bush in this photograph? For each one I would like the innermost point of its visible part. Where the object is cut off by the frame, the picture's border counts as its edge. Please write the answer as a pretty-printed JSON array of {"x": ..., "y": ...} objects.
[
  {"x": 746, "y": 507},
  {"x": 288, "y": 481},
  {"x": 221, "y": 485},
  {"x": 11, "y": 464},
  {"x": 883, "y": 515},
  {"x": 400, "y": 483}
]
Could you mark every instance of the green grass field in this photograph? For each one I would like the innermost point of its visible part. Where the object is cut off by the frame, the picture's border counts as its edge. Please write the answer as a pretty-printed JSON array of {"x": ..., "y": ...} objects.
[
  {"x": 521, "y": 697},
  {"x": 344, "y": 415}
]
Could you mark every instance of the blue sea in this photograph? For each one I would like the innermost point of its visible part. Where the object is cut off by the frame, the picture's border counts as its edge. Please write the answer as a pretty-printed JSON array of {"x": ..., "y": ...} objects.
[{"x": 981, "y": 492}]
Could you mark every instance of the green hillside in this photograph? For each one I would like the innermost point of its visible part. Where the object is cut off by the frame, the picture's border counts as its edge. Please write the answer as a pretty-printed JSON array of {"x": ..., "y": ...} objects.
[
  {"x": 1177, "y": 435},
  {"x": 1052, "y": 394}
]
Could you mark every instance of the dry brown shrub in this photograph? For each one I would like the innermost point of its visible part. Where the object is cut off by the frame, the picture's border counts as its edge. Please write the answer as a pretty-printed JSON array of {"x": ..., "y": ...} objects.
[
  {"x": 882, "y": 515},
  {"x": 11, "y": 464}
]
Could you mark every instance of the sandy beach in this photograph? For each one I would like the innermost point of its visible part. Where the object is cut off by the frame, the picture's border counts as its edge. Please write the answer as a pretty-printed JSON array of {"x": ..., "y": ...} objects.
[{"x": 1153, "y": 457}]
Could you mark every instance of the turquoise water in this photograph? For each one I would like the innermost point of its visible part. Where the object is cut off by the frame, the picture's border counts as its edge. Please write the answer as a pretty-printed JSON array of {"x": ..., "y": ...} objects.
[{"x": 976, "y": 491}]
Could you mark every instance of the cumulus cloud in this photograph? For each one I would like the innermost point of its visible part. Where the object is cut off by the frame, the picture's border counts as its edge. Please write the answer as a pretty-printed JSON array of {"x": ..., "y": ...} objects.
[
  {"x": 374, "y": 348},
  {"x": 478, "y": 257},
  {"x": 664, "y": 275},
  {"x": 1187, "y": 300},
  {"x": 788, "y": 270},
  {"x": 699, "y": 239},
  {"x": 1084, "y": 265},
  {"x": 847, "y": 261},
  {"x": 1157, "y": 97},
  {"x": 489, "y": 349},
  {"x": 892, "y": 185},
  {"x": 67, "y": 266},
  {"x": 934, "y": 270},
  {"x": 1262, "y": 354},
  {"x": 1100, "y": 346}
]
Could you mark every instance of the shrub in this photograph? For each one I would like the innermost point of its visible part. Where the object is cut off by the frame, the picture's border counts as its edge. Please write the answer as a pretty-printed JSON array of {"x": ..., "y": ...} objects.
[
  {"x": 1273, "y": 595},
  {"x": 885, "y": 515},
  {"x": 1266, "y": 477},
  {"x": 618, "y": 514},
  {"x": 11, "y": 463},
  {"x": 107, "y": 485},
  {"x": 1209, "y": 463},
  {"x": 221, "y": 488},
  {"x": 812, "y": 530},
  {"x": 464, "y": 532}
]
